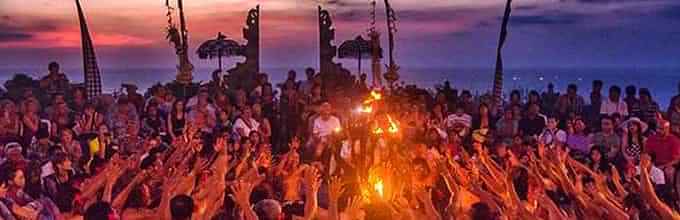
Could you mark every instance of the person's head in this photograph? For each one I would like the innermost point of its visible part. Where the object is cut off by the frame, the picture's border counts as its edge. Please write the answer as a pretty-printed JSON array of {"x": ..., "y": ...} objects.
[
  {"x": 551, "y": 87},
  {"x": 515, "y": 96},
  {"x": 579, "y": 125},
  {"x": 62, "y": 163},
  {"x": 178, "y": 106},
  {"x": 325, "y": 109},
  {"x": 466, "y": 96},
  {"x": 152, "y": 110},
  {"x": 614, "y": 93},
  {"x": 292, "y": 75},
  {"x": 100, "y": 211},
  {"x": 631, "y": 90},
  {"x": 13, "y": 176},
  {"x": 534, "y": 109},
  {"x": 481, "y": 210},
  {"x": 309, "y": 72},
  {"x": 67, "y": 136},
  {"x": 316, "y": 90},
  {"x": 634, "y": 127},
  {"x": 246, "y": 112},
  {"x": 552, "y": 122},
  {"x": 31, "y": 105},
  {"x": 268, "y": 209},
  {"x": 140, "y": 197},
  {"x": 597, "y": 85},
  {"x": 501, "y": 149},
  {"x": 103, "y": 130},
  {"x": 421, "y": 168},
  {"x": 246, "y": 143},
  {"x": 534, "y": 96},
  {"x": 255, "y": 137},
  {"x": 53, "y": 67},
  {"x": 645, "y": 95},
  {"x": 607, "y": 124},
  {"x": 665, "y": 128},
  {"x": 203, "y": 97},
  {"x": 572, "y": 89},
  {"x": 507, "y": 113},
  {"x": 595, "y": 154},
  {"x": 257, "y": 109},
  {"x": 181, "y": 207}
]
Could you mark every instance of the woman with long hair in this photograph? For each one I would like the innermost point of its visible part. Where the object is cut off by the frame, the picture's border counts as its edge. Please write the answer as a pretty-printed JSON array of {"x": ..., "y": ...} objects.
[
  {"x": 265, "y": 125},
  {"x": 30, "y": 119},
  {"x": 177, "y": 119},
  {"x": 484, "y": 120},
  {"x": 632, "y": 139},
  {"x": 10, "y": 121}
]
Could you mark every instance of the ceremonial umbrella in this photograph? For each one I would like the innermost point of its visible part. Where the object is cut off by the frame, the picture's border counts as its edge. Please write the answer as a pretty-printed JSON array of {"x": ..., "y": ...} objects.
[
  {"x": 358, "y": 49},
  {"x": 218, "y": 48}
]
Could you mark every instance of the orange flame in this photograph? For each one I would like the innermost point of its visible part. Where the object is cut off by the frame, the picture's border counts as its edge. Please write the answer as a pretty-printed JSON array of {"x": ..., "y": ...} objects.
[
  {"x": 365, "y": 109},
  {"x": 375, "y": 96},
  {"x": 378, "y": 130},
  {"x": 393, "y": 126},
  {"x": 379, "y": 187}
]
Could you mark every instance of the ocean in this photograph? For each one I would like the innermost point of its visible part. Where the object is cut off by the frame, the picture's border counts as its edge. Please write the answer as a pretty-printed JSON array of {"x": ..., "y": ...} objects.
[{"x": 662, "y": 82}]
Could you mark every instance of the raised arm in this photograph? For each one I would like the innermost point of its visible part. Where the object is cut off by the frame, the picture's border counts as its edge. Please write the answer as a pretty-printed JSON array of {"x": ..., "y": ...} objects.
[{"x": 647, "y": 190}]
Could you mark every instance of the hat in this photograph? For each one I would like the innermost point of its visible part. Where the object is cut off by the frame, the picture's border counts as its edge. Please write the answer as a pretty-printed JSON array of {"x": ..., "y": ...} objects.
[
  {"x": 13, "y": 146},
  {"x": 643, "y": 125}
]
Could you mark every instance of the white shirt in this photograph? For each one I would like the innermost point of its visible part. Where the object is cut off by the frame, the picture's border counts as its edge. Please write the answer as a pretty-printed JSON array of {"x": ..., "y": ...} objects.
[
  {"x": 464, "y": 119},
  {"x": 323, "y": 128},
  {"x": 655, "y": 174},
  {"x": 608, "y": 107},
  {"x": 240, "y": 123}
]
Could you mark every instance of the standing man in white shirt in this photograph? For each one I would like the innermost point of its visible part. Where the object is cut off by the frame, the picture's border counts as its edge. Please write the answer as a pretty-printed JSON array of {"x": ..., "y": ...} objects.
[
  {"x": 325, "y": 124},
  {"x": 322, "y": 127},
  {"x": 614, "y": 104}
]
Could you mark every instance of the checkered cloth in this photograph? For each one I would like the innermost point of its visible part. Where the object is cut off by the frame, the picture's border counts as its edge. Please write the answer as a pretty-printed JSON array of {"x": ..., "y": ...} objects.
[
  {"x": 498, "y": 75},
  {"x": 93, "y": 83}
]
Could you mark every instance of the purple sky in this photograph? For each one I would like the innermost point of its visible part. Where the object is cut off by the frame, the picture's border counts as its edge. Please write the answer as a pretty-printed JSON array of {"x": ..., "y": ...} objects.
[{"x": 441, "y": 33}]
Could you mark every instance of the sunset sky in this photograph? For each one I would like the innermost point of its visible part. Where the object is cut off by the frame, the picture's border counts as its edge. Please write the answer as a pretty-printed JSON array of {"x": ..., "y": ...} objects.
[{"x": 441, "y": 33}]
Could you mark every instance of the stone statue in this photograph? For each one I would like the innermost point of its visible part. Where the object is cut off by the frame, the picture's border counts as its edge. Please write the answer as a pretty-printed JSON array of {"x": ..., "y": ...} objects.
[
  {"x": 245, "y": 73},
  {"x": 334, "y": 76}
]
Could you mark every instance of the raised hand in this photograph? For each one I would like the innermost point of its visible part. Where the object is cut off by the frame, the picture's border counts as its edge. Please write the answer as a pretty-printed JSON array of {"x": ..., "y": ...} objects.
[
  {"x": 335, "y": 188},
  {"x": 645, "y": 161},
  {"x": 312, "y": 178}
]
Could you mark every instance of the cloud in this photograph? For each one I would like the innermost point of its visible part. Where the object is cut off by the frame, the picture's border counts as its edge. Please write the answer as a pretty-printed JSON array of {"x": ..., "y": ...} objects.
[
  {"x": 14, "y": 36},
  {"x": 546, "y": 19}
]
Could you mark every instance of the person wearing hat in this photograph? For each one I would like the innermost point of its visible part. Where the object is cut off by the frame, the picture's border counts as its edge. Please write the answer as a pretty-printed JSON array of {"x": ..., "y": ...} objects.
[
  {"x": 134, "y": 97},
  {"x": 12, "y": 154},
  {"x": 55, "y": 81},
  {"x": 633, "y": 140}
]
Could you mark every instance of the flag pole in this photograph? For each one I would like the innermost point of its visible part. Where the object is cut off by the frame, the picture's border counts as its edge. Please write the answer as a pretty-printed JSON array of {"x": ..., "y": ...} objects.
[{"x": 498, "y": 73}]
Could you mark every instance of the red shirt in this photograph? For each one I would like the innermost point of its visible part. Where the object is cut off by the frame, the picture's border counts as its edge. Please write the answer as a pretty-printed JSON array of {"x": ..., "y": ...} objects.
[{"x": 666, "y": 149}]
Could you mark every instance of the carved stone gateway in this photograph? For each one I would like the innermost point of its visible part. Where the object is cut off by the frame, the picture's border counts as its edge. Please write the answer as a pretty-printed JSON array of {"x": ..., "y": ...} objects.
[
  {"x": 244, "y": 74},
  {"x": 334, "y": 76}
]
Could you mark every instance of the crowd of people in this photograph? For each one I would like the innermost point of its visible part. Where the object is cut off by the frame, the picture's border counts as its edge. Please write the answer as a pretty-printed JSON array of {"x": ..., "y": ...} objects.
[{"x": 300, "y": 150}]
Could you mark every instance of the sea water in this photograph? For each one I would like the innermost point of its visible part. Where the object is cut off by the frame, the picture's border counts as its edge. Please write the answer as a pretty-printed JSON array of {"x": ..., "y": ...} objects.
[{"x": 663, "y": 82}]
